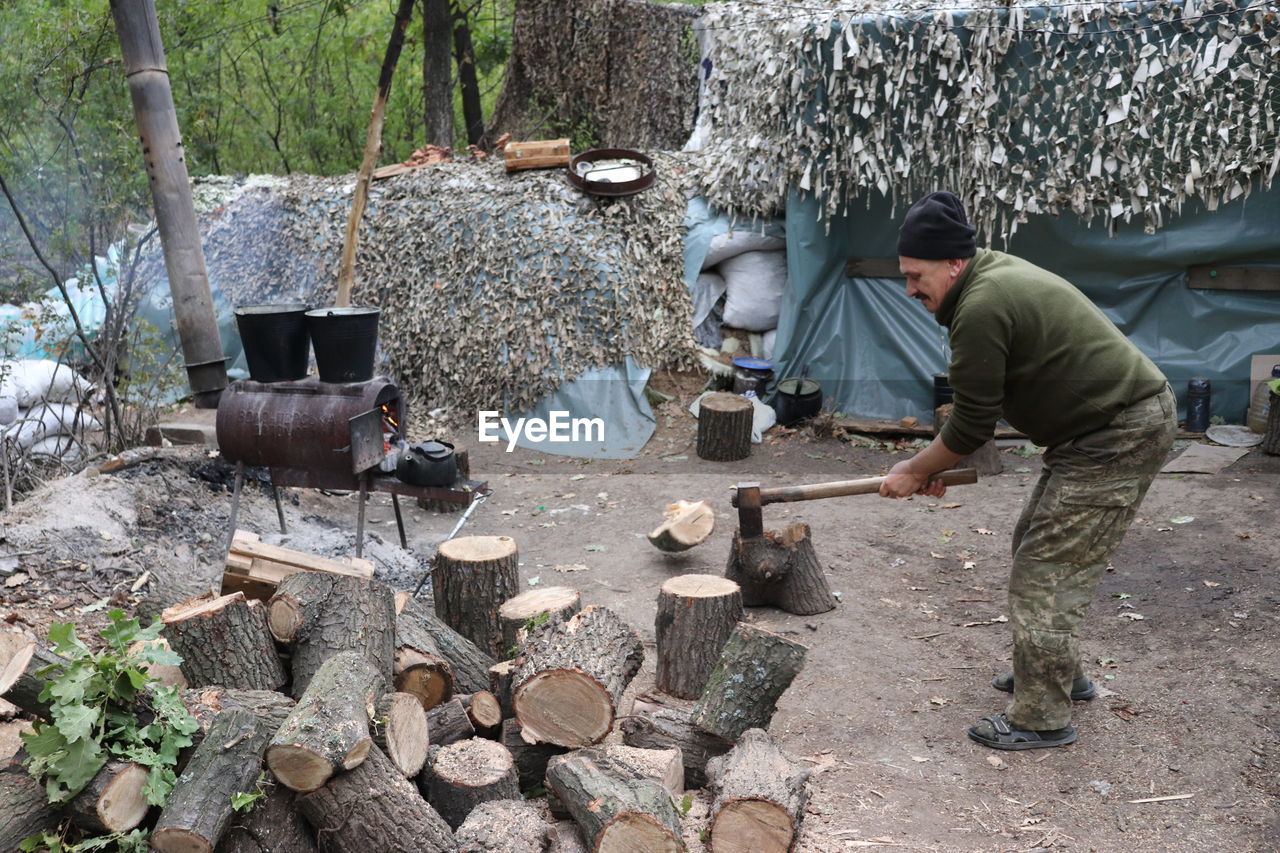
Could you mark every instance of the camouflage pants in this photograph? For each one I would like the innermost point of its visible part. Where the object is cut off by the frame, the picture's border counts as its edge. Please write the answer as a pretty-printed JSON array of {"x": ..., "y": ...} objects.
[{"x": 1077, "y": 514}]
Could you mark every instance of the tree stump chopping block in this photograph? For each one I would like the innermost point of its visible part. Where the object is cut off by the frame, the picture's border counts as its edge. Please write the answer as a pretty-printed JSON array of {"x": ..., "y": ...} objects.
[
  {"x": 419, "y": 667},
  {"x": 696, "y": 615},
  {"x": 759, "y": 797},
  {"x": 275, "y": 825},
  {"x": 656, "y": 725},
  {"x": 571, "y": 676},
  {"x": 400, "y": 729},
  {"x": 462, "y": 775},
  {"x": 328, "y": 730},
  {"x": 780, "y": 569},
  {"x": 473, "y": 575},
  {"x": 537, "y": 605},
  {"x": 530, "y": 758},
  {"x": 19, "y": 683},
  {"x": 323, "y": 615},
  {"x": 724, "y": 427},
  {"x": 470, "y": 665},
  {"x": 24, "y": 806},
  {"x": 510, "y": 826},
  {"x": 618, "y": 810},
  {"x": 225, "y": 642},
  {"x": 113, "y": 800},
  {"x": 756, "y": 668},
  {"x": 449, "y": 723},
  {"x": 373, "y": 809}
]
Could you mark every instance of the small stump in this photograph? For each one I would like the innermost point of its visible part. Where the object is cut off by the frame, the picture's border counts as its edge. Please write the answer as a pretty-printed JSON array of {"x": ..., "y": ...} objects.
[
  {"x": 696, "y": 615},
  {"x": 473, "y": 576},
  {"x": 724, "y": 427}
]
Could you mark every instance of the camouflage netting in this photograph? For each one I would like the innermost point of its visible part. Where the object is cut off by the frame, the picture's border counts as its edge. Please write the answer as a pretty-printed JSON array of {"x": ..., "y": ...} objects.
[
  {"x": 1118, "y": 111},
  {"x": 494, "y": 288},
  {"x": 607, "y": 73}
]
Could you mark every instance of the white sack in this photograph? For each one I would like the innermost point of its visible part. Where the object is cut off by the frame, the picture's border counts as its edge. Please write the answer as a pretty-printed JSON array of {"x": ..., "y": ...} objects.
[
  {"x": 63, "y": 447},
  {"x": 49, "y": 419},
  {"x": 31, "y": 380},
  {"x": 705, "y": 293},
  {"x": 770, "y": 338},
  {"x": 762, "y": 418},
  {"x": 8, "y": 410},
  {"x": 733, "y": 243},
  {"x": 754, "y": 282}
]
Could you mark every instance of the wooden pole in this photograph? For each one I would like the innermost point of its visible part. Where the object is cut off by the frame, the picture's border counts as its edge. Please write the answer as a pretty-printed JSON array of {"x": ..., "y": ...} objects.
[
  {"x": 372, "y": 148},
  {"x": 139, "y": 34}
]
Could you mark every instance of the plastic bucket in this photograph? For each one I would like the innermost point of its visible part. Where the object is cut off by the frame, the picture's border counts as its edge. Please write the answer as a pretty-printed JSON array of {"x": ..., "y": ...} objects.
[
  {"x": 796, "y": 400},
  {"x": 344, "y": 340},
  {"x": 275, "y": 341}
]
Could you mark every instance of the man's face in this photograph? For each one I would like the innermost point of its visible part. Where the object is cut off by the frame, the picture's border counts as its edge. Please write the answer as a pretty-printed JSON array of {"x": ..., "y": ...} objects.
[{"x": 929, "y": 281}]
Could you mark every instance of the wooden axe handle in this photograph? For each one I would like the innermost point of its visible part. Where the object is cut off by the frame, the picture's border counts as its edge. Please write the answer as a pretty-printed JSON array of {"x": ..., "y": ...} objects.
[{"x": 841, "y": 488}]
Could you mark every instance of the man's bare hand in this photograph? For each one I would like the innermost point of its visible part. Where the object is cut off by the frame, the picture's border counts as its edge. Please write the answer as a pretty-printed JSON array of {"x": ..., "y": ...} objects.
[{"x": 903, "y": 482}]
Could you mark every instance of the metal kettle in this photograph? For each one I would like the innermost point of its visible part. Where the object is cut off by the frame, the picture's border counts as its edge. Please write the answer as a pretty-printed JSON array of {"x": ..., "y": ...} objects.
[{"x": 428, "y": 463}]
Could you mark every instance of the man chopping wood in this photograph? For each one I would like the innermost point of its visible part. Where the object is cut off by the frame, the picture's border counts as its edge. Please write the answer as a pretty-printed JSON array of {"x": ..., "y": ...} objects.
[{"x": 1028, "y": 346}]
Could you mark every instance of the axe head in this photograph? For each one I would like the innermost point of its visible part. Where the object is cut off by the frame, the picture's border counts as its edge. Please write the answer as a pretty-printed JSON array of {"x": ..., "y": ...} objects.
[{"x": 750, "y": 519}]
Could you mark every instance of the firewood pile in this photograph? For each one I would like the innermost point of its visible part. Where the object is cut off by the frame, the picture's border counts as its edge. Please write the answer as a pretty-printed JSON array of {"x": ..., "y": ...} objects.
[{"x": 372, "y": 724}]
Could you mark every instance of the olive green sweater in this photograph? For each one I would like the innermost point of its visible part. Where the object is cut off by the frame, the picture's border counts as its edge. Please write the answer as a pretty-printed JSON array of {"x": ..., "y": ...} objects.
[{"x": 1027, "y": 344}]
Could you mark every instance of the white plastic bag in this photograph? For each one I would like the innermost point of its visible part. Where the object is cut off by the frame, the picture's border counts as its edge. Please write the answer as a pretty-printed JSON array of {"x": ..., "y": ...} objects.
[
  {"x": 754, "y": 282},
  {"x": 733, "y": 243},
  {"x": 31, "y": 380},
  {"x": 49, "y": 419},
  {"x": 762, "y": 416},
  {"x": 62, "y": 447},
  {"x": 8, "y": 410}
]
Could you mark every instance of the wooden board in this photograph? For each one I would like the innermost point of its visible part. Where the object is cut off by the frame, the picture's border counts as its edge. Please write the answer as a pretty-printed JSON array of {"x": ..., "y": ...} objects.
[
  {"x": 256, "y": 569},
  {"x": 538, "y": 154},
  {"x": 1218, "y": 277}
]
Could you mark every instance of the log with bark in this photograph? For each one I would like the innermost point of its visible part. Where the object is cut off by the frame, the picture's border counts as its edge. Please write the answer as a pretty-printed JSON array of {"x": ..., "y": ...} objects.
[
  {"x": 654, "y": 724},
  {"x": 483, "y": 710},
  {"x": 618, "y": 810},
  {"x": 780, "y": 568},
  {"x": 449, "y": 723},
  {"x": 24, "y": 806},
  {"x": 275, "y": 825},
  {"x": 373, "y": 809},
  {"x": 473, "y": 575},
  {"x": 400, "y": 729},
  {"x": 536, "y": 605},
  {"x": 1271, "y": 438},
  {"x": 759, "y": 797},
  {"x": 323, "y": 615},
  {"x": 756, "y": 667},
  {"x": 530, "y": 758},
  {"x": 696, "y": 615},
  {"x": 566, "y": 837},
  {"x": 225, "y": 642},
  {"x": 571, "y": 675},
  {"x": 470, "y": 664},
  {"x": 19, "y": 682},
  {"x": 206, "y": 703},
  {"x": 328, "y": 730},
  {"x": 419, "y": 667},
  {"x": 462, "y": 775},
  {"x": 500, "y": 675},
  {"x": 509, "y": 826},
  {"x": 256, "y": 569},
  {"x": 113, "y": 801},
  {"x": 664, "y": 766},
  {"x": 688, "y": 523},
  {"x": 724, "y": 427}
]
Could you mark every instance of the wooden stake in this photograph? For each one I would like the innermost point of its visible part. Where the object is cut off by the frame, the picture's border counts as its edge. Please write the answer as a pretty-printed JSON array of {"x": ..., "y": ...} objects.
[{"x": 696, "y": 615}]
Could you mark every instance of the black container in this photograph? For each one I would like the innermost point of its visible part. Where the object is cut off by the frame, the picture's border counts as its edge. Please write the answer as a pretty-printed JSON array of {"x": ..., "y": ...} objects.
[
  {"x": 796, "y": 400},
  {"x": 1197, "y": 404},
  {"x": 345, "y": 340},
  {"x": 428, "y": 463},
  {"x": 275, "y": 341},
  {"x": 751, "y": 375},
  {"x": 942, "y": 393}
]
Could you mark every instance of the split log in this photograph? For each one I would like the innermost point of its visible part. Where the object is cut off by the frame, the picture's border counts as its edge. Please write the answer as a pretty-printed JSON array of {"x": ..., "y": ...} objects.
[
  {"x": 664, "y": 766},
  {"x": 566, "y": 837},
  {"x": 19, "y": 682},
  {"x": 759, "y": 797},
  {"x": 688, "y": 523},
  {"x": 724, "y": 427},
  {"x": 374, "y": 809},
  {"x": 449, "y": 723},
  {"x": 225, "y": 642},
  {"x": 328, "y": 730},
  {"x": 500, "y": 686},
  {"x": 618, "y": 810},
  {"x": 273, "y": 826},
  {"x": 696, "y": 615},
  {"x": 781, "y": 569},
  {"x": 756, "y": 667},
  {"x": 227, "y": 762},
  {"x": 656, "y": 725},
  {"x": 112, "y": 801},
  {"x": 473, "y": 575},
  {"x": 462, "y": 775},
  {"x": 571, "y": 676},
  {"x": 419, "y": 667},
  {"x": 25, "y": 810},
  {"x": 530, "y": 758},
  {"x": 401, "y": 731},
  {"x": 323, "y": 615},
  {"x": 483, "y": 710},
  {"x": 509, "y": 826},
  {"x": 986, "y": 459},
  {"x": 470, "y": 664},
  {"x": 534, "y": 605},
  {"x": 256, "y": 569}
]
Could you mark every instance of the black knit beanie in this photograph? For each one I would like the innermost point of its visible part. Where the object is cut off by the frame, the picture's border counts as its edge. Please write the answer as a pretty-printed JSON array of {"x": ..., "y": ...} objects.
[{"x": 936, "y": 228}]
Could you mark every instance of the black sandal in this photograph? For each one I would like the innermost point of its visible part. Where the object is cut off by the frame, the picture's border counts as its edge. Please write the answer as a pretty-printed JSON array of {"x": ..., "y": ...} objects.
[{"x": 999, "y": 733}]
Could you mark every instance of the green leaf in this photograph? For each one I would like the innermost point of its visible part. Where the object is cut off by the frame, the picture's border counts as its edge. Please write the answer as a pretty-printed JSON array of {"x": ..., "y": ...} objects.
[
  {"x": 244, "y": 800},
  {"x": 62, "y": 636},
  {"x": 76, "y": 722},
  {"x": 45, "y": 741},
  {"x": 121, "y": 632},
  {"x": 159, "y": 655},
  {"x": 159, "y": 783},
  {"x": 71, "y": 688},
  {"x": 77, "y": 765}
]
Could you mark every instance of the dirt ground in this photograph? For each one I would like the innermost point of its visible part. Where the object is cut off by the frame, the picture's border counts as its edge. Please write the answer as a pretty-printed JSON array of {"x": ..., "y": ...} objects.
[{"x": 1182, "y": 639}]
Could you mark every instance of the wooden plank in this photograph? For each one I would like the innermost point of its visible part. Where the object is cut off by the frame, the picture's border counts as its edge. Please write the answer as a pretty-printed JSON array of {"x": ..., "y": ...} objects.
[
  {"x": 1217, "y": 277},
  {"x": 538, "y": 154},
  {"x": 299, "y": 559},
  {"x": 256, "y": 569},
  {"x": 872, "y": 268}
]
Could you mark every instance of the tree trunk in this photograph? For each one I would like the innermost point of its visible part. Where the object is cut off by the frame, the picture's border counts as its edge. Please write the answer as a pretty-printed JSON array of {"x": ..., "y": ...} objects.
[
  {"x": 25, "y": 810},
  {"x": 473, "y": 575},
  {"x": 225, "y": 642},
  {"x": 571, "y": 676},
  {"x": 437, "y": 75},
  {"x": 449, "y": 723},
  {"x": 530, "y": 758},
  {"x": 696, "y": 615},
  {"x": 470, "y": 665},
  {"x": 19, "y": 683},
  {"x": 419, "y": 667},
  {"x": 656, "y": 725},
  {"x": 619, "y": 811},
  {"x": 323, "y": 615},
  {"x": 724, "y": 427},
  {"x": 464, "y": 56},
  {"x": 780, "y": 569},
  {"x": 373, "y": 809},
  {"x": 510, "y": 826},
  {"x": 536, "y": 604},
  {"x": 462, "y": 775},
  {"x": 1271, "y": 438},
  {"x": 687, "y": 524},
  {"x": 759, "y": 797},
  {"x": 500, "y": 675},
  {"x": 483, "y": 710},
  {"x": 273, "y": 826},
  {"x": 401, "y": 731},
  {"x": 112, "y": 801},
  {"x": 756, "y": 667},
  {"x": 227, "y": 762},
  {"x": 328, "y": 730}
]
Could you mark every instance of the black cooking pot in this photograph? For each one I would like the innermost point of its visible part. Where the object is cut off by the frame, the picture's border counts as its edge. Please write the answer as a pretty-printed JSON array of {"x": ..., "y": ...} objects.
[
  {"x": 428, "y": 463},
  {"x": 797, "y": 399}
]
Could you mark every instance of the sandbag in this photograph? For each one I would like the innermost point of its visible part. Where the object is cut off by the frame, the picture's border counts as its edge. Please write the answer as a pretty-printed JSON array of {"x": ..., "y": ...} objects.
[
  {"x": 49, "y": 419},
  {"x": 63, "y": 447},
  {"x": 31, "y": 380},
  {"x": 754, "y": 282},
  {"x": 733, "y": 243},
  {"x": 770, "y": 338}
]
